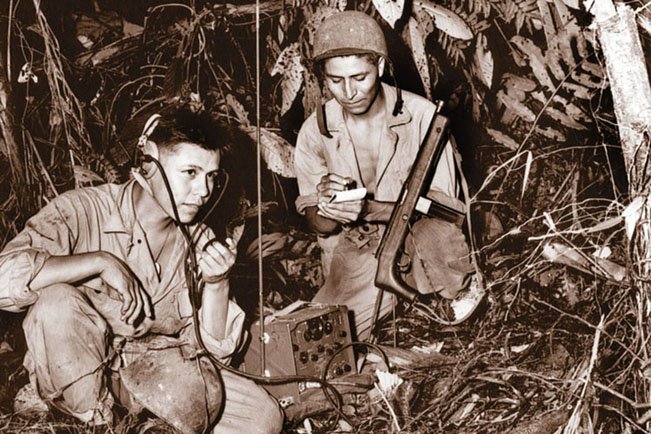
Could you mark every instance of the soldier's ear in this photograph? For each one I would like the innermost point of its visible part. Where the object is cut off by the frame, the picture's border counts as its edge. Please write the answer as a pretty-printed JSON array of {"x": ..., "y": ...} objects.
[{"x": 150, "y": 150}]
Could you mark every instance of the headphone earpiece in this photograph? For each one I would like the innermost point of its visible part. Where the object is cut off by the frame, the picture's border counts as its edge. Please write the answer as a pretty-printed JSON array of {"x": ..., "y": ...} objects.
[{"x": 140, "y": 155}]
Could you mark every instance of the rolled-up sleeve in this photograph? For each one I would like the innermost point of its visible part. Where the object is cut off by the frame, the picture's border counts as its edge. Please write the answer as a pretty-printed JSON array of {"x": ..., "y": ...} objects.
[
  {"x": 47, "y": 233},
  {"x": 309, "y": 164},
  {"x": 445, "y": 186},
  {"x": 18, "y": 267},
  {"x": 224, "y": 348}
]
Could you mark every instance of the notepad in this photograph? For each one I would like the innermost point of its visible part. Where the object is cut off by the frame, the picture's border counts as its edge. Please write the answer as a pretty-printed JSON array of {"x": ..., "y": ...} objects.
[{"x": 348, "y": 195}]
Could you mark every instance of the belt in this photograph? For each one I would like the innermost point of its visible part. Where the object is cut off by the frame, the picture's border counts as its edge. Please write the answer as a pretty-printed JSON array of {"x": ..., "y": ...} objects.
[{"x": 363, "y": 234}]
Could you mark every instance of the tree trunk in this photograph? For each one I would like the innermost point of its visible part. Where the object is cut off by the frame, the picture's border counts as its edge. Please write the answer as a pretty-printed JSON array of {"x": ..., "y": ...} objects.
[{"x": 629, "y": 83}]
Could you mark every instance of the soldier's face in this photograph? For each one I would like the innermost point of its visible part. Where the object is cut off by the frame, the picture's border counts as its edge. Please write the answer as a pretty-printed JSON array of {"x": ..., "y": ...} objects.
[
  {"x": 354, "y": 81},
  {"x": 191, "y": 171}
]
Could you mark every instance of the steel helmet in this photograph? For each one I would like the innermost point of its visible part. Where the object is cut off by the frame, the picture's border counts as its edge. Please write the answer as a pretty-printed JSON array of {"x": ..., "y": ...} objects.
[{"x": 346, "y": 33}]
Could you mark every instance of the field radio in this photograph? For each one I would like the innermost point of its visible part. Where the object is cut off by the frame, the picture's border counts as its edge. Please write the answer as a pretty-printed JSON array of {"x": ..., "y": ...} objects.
[{"x": 301, "y": 343}]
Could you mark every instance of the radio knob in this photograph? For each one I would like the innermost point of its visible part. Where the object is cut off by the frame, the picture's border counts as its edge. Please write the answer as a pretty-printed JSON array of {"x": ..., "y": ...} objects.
[
  {"x": 303, "y": 357},
  {"x": 342, "y": 333},
  {"x": 314, "y": 357},
  {"x": 317, "y": 334},
  {"x": 337, "y": 345},
  {"x": 327, "y": 328},
  {"x": 329, "y": 351},
  {"x": 320, "y": 348},
  {"x": 307, "y": 336},
  {"x": 338, "y": 371},
  {"x": 347, "y": 367},
  {"x": 294, "y": 347}
]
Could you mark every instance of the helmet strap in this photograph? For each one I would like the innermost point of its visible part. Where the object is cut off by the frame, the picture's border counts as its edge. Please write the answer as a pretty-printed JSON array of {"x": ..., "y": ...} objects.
[
  {"x": 321, "y": 120},
  {"x": 399, "y": 102}
]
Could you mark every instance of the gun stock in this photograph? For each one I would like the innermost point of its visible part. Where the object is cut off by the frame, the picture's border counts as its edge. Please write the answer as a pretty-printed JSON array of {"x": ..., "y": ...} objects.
[{"x": 416, "y": 185}]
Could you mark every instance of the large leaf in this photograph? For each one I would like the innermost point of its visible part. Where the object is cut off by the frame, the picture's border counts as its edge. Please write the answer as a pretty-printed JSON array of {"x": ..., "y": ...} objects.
[
  {"x": 276, "y": 152},
  {"x": 417, "y": 41},
  {"x": 483, "y": 61},
  {"x": 447, "y": 21},
  {"x": 240, "y": 113},
  {"x": 289, "y": 65},
  {"x": 315, "y": 19},
  {"x": 271, "y": 243},
  {"x": 390, "y": 10},
  {"x": 424, "y": 18},
  {"x": 311, "y": 93}
]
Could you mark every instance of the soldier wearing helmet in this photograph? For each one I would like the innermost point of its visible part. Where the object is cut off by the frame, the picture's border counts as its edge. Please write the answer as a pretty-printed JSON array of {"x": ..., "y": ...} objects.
[{"x": 367, "y": 135}]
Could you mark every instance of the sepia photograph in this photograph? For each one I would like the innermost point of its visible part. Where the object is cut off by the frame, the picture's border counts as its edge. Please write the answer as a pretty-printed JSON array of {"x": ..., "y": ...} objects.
[{"x": 325, "y": 216}]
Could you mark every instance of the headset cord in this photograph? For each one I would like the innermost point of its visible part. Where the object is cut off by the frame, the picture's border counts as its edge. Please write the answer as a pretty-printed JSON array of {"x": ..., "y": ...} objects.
[{"x": 195, "y": 290}]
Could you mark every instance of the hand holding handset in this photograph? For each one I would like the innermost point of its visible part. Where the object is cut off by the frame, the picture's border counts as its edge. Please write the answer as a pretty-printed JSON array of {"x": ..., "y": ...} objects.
[{"x": 348, "y": 195}]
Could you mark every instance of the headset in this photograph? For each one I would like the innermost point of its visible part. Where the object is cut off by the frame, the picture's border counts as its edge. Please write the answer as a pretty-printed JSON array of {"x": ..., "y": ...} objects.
[{"x": 195, "y": 287}]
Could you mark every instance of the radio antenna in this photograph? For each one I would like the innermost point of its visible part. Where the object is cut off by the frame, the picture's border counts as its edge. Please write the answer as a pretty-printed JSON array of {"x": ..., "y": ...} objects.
[{"x": 263, "y": 361}]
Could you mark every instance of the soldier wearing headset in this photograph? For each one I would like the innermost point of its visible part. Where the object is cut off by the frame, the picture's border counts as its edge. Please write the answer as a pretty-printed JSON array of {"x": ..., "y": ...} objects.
[{"x": 102, "y": 274}]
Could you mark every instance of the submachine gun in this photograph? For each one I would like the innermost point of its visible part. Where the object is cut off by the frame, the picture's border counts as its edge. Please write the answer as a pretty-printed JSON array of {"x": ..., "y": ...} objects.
[{"x": 412, "y": 198}]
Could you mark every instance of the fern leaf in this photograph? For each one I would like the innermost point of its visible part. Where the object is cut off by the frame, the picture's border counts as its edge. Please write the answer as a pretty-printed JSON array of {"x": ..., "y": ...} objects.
[
  {"x": 453, "y": 48},
  {"x": 577, "y": 90},
  {"x": 515, "y": 84},
  {"x": 553, "y": 61},
  {"x": 503, "y": 139},
  {"x": 550, "y": 133},
  {"x": 516, "y": 106},
  {"x": 564, "y": 118},
  {"x": 417, "y": 42},
  {"x": 558, "y": 115},
  {"x": 535, "y": 58}
]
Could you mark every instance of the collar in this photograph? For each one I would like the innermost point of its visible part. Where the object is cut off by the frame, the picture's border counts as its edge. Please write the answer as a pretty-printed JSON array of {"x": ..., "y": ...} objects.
[
  {"x": 335, "y": 113},
  {"x": 122, "y": 215}
]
